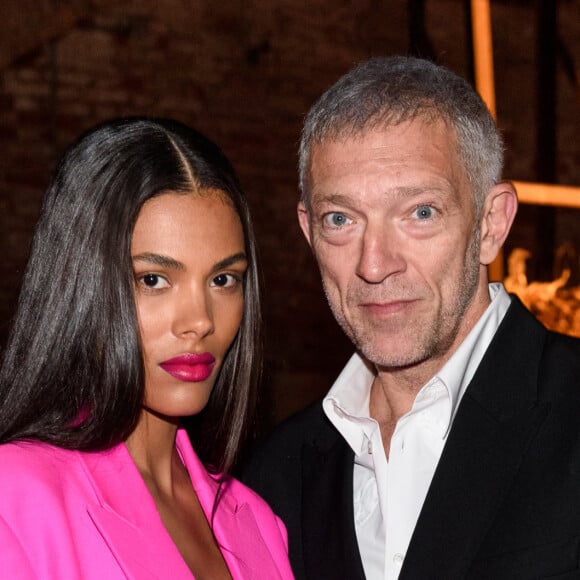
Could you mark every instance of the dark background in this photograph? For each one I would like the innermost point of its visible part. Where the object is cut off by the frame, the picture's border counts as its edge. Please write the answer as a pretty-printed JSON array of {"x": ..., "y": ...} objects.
[{"x": 245, "y": 73}]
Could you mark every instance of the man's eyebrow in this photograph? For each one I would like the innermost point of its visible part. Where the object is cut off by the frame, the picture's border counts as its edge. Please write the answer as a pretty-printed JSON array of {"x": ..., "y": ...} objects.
[
  {"x": 159, "y": 260},
  {"x": 401, "y": 192},
  {"x": 333, "y": 198}
]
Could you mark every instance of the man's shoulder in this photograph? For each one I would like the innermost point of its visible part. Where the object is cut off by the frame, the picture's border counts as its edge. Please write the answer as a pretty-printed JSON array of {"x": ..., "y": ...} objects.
[
  {"x": 524, "y": 345},
  {"x": 302, "y": 427},
  {"x": 521, "y": 318},
  {"x": 560, "y": 364},
  {"x": 564, "y": 343},
  {"x": 283, "y": 447},
  {"x": 312, "y": 414}
]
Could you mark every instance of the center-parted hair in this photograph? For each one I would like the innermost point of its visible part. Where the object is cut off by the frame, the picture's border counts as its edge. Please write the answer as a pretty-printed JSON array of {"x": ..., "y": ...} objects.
[
  {"x": 72, "y": 372},
  {"x": 386, "y": 91}
]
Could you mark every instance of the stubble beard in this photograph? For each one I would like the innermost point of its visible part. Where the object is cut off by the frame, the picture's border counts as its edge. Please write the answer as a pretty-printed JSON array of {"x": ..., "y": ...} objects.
[{"x": 426, "y": 337}]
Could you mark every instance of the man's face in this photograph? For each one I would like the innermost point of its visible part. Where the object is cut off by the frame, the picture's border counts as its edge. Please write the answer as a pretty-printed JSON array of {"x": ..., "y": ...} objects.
[{"x": 394, "y": 230}]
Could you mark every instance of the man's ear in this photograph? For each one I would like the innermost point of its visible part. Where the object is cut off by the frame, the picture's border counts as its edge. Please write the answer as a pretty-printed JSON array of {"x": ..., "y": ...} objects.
[
  {"x": 498, "y": 213},
  {"x": 304, "y": 220}
]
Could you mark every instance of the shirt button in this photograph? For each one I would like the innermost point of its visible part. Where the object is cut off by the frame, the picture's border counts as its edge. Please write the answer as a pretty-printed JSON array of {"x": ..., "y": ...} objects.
[{"x": 398, "y": 559}]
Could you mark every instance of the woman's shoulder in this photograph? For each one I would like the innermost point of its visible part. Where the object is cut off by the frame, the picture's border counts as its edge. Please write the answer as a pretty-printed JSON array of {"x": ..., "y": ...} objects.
[
  {"x": 28, "y": 463},
  {"x": 28, "y": 453}
]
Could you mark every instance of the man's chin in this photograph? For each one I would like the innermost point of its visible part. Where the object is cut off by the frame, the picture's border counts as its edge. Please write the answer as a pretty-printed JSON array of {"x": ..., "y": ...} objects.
[{"x": 392, "y": 355}]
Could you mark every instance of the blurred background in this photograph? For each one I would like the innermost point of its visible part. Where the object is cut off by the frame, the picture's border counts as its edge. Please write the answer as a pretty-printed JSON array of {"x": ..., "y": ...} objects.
[{"x": 245, "y": 72}]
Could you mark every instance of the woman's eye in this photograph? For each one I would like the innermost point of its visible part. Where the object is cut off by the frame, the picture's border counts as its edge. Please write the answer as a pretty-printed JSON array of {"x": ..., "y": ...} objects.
[
  {"x": 424, "y": 212},
  {"x": 154, "y": 281},
  {"x": 336, "y": 220},
  {"x": 225, "y": 280}
]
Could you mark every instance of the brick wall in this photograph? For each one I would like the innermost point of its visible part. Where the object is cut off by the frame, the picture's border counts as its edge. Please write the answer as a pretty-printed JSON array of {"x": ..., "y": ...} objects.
[{"x": 245, "y": 73}]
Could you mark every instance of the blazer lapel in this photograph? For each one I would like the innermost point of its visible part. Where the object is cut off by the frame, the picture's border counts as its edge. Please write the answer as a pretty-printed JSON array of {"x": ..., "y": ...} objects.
[
  {"x": 329, "y": 544},
  {"x": 233, "y": 523},
  {"x": 496, "y": 421},
  {"x": 140, "y": 553},
  {"x": 237, "y": 533},
  {"x": 127, "y": 518}
]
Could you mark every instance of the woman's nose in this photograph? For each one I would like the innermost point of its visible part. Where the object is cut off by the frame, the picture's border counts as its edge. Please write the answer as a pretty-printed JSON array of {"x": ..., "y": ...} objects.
[{"x": 193, "y": 314}]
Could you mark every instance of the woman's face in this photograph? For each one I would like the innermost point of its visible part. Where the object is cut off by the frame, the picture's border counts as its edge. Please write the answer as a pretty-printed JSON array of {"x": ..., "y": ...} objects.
[{"x": 189, "y": 263}]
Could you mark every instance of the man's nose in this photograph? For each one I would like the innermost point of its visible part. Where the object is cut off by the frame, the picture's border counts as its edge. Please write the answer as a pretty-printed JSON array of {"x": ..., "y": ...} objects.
[{"x": 380, "y": 253}]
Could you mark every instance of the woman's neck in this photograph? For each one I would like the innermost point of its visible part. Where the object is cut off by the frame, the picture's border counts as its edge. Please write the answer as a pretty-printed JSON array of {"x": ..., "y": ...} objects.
[{"x": 152, "y": 447}]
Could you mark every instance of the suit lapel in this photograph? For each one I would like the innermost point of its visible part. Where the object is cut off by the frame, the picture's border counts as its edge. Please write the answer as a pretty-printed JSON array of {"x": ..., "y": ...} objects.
[
  {"x": 329, "y": 545},
  {"x": 496, "y": 421}
]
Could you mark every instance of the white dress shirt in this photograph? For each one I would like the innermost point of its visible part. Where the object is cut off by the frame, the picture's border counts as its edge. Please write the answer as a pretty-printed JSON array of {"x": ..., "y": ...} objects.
[{"x": 389, "y": 495}]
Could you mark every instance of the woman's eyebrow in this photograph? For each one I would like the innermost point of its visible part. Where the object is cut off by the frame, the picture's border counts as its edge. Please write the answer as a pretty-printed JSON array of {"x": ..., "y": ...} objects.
[
  {"x": 229, "y": 261},
  {"x": 159, "y": 260},
  {"x": 167, "y": 262}
]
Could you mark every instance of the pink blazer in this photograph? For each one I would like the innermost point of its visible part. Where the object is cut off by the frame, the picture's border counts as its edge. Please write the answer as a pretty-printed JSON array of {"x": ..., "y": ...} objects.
[{"x": 76, "y": 515}]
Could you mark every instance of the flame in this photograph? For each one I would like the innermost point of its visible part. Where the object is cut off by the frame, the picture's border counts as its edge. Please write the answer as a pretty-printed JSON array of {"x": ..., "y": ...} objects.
[{"x": 553, "y": 303}]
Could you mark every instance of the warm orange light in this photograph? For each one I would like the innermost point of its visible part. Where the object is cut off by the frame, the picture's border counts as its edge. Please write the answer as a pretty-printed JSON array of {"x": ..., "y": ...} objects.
[
  {"x": 548, "y": 194},
  {"x": 483, "y": 52},
  {"x": 532, "y": 193}
]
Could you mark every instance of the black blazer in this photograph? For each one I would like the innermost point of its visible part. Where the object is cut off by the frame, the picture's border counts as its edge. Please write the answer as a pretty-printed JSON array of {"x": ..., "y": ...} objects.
[{"x": 504, "y": 503}]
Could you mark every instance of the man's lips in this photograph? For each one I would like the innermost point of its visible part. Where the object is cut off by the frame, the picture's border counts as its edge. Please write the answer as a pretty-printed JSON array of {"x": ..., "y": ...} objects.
[
  {"x": 190, "y": 367},
  {"x": 384, "y": 308}
]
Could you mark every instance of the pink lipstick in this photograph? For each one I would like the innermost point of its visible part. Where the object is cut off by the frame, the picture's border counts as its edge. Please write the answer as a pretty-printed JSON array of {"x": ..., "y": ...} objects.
[{"x": 190, "y": 367}]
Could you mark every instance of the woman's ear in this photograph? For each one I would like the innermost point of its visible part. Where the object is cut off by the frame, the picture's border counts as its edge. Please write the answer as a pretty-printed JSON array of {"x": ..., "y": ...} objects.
[{"x": 498, "y": 213}]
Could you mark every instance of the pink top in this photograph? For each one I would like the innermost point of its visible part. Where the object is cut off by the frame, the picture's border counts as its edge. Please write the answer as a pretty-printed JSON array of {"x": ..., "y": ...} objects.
[{"x": 71, "y": 514}]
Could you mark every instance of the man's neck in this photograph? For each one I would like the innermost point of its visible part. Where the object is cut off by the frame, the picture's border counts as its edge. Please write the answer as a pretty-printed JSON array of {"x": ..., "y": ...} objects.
[{"x": 392, "y": 395}]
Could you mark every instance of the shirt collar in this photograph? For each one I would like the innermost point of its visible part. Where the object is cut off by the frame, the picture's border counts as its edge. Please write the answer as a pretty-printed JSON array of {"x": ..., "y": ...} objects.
[
  {"x": 458, "y": 371},
  {"x": 347, "y": 403}
]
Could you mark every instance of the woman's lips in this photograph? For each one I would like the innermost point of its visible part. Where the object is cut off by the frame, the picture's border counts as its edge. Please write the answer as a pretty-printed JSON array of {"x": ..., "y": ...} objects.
[{"x": 190, "y": 367}]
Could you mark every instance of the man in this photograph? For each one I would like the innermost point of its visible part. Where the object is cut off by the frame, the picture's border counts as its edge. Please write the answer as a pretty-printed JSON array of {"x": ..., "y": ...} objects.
[{"x": 449, "y": 446}]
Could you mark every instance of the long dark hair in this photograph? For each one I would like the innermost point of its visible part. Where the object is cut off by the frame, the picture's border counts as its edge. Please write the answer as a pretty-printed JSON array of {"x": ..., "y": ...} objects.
[{"x": 72, "y": 372}]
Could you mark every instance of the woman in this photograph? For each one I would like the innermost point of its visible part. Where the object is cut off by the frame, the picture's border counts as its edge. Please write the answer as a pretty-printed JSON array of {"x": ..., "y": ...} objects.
[{"x": 140, "y": 305}]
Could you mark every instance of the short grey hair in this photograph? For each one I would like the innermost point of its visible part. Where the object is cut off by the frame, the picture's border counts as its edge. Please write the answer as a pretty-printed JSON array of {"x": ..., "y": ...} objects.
[{"x": 386, "y": 91}]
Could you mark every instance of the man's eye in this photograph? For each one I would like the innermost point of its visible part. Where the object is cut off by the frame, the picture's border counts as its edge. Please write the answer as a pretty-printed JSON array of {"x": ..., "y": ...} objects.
[
  {"x": 424, "y": 212},
  {"x": 336, "y": 220}
]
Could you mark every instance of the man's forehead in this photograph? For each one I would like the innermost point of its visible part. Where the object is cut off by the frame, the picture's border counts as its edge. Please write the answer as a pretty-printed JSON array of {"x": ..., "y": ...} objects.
[{"x": 349, "y": 137}]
